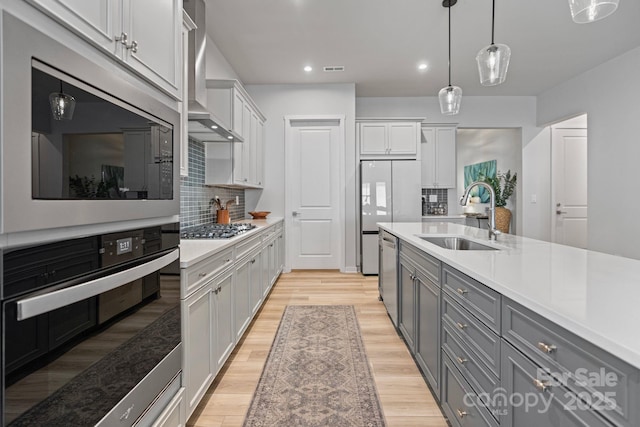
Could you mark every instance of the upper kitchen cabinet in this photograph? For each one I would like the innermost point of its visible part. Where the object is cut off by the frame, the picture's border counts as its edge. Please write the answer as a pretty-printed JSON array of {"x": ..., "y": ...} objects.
[
  {"x": 144, "y": 35},
  {"x": 229, "y": 101},
  {"x": 187, "y": 26},
  {"x": 389, "y": 139},
  {"x": 438, "y": 156}
]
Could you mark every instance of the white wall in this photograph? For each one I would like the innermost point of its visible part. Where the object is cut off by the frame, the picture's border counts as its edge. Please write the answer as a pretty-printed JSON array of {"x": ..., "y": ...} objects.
[
  {"x": 476, "y": 112},
  {"x": 536, "y": 187},
  {"x": 278, "y": 101},
  {"x": 481, "y": 145},
  {"x": 609, "y": 94},
  {"x": 217, "y": 66}
]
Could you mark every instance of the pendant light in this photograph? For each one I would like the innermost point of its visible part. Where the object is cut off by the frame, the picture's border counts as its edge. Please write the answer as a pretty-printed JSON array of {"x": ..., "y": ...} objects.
[
  {"x": 451, "y": 96},
  {"x": 493, "y": 60},
  {"x": 585, "y": 11},
  {"x": 62, "y": 104}
]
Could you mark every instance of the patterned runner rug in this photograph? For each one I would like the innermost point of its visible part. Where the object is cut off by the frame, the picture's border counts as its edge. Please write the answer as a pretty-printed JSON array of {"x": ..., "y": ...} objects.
[{"x": 317, "y": 373}]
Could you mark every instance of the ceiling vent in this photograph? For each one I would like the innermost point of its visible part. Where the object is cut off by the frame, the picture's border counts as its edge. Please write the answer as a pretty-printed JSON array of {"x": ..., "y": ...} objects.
[{"x": 333, "y": 69}]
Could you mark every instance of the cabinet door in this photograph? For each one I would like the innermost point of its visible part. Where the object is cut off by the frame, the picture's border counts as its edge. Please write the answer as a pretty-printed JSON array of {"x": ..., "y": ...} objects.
[
  {"x": 373, "y": 138},
  {"x": 223, "y": 308},
  {"x": 266, "y": 277},
  {"x": 428, "y": 147},
  {"x": 154, "y": 48},
  {"x": 428, "y": 342},
  {"x": 242, "y": 296},
  {"x": 446, "y": 157},
  {"x": 198, "y": 330},
  {"x": 96, "y": 20},
  {"x": 406, "y": 320},
  {"x": 259, "y": 154},
  {"x": 255, "y": 278},
  {"x": 544, "y": 404},
  {"x": 238, "y": 109},
  {"x": 403, "y": 138},
  {"x": 280, "y": 253},
  {"x": 238, "y": 163}
]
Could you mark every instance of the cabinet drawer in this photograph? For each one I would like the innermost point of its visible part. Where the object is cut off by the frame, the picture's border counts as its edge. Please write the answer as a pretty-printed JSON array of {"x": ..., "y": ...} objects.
[
  {"x": 428, "y": 264},
  {"x": 575, "y": 362},
  {"x": 482, "y": 380},
  {"x": 193, "y": 276},
  {"x": 555, "y": 406},
  {"x": 247, "y": 246},
  {"x": 481, "y": 301},
  {"x": 459, "y": 400},
  {"x": 481, "y": 340}
]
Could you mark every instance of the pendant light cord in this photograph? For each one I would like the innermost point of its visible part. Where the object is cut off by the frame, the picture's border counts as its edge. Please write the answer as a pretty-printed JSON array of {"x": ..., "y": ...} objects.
[
  {"x": 450, "y": 44},
  {"x": 493, "y": 20}
]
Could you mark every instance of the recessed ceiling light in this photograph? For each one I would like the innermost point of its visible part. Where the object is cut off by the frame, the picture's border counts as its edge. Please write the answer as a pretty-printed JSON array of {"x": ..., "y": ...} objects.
[
  {"x": 422, "y": 66},
  {"x": 230, "y": 137},
  {"x": 308, "y": 68},
  {"x": 214, "y": 127}
]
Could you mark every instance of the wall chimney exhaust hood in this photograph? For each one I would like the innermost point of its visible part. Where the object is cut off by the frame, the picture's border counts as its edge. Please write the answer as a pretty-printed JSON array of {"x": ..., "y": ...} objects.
[{"x": 203, "y": 125}]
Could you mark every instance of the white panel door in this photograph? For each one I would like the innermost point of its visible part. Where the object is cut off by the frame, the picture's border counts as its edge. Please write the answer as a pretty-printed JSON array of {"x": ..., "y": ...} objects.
[
  {"x": 569, "y": 177},
  {"x": 313, "y": 187}
]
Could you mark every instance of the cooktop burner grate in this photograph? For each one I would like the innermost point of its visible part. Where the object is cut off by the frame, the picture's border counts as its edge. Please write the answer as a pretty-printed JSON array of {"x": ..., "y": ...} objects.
[{"x": 215, "y": 231}]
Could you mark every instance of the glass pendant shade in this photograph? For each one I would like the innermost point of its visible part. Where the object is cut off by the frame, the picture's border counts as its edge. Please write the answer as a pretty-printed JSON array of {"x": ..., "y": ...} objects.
[
  {"x": 585, "y": 11},
  {"x": 450, "y": 99},
  {"x": 493, "y": 62},
  {"x": 62, "y": 105}
]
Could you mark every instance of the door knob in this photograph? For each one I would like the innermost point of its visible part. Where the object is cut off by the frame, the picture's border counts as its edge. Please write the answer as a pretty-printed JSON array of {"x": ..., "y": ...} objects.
[
  {"x": 295, "y": 213},
  {"x": 559, "y": 210}
]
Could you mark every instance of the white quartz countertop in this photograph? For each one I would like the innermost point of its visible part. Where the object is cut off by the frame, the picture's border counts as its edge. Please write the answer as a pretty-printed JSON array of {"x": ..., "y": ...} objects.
[
  {"x": 594, "y": 295},
  {"x": 195, "y": 250}
]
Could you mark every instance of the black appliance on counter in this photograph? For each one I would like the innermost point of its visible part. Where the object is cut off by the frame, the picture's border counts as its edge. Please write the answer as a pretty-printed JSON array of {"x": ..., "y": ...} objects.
[
  {"x": 215, "y": 231},
  {"x": 91, "y": 330}
]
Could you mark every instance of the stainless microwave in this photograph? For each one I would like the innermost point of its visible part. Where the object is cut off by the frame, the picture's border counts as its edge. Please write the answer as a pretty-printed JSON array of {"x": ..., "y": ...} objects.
[{"x": 82, "y": 144}]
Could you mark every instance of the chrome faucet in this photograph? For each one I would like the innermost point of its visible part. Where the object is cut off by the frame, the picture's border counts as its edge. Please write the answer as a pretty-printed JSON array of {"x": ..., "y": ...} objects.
[{"x": 493, "y": 231}]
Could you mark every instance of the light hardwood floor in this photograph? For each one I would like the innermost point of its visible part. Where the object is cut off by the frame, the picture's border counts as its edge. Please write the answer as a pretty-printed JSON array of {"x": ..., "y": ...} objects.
[{"x": 406, "y": 401}]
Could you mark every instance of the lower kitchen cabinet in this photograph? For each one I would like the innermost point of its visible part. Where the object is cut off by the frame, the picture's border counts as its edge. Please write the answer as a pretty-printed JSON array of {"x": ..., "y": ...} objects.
[
  {"x": 407, "y": 309},
  {"x": 198, "y": 326},
  {"x": 242, "y": 295},
  {"x": 534, "y": 401},
  {"x": 428, "y": 336},
  {"x": 255, "y": 281},
  {"x": 223, "y": 318}
]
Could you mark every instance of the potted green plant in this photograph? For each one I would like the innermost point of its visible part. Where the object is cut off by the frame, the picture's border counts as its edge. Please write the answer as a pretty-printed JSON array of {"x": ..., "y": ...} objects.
[{"x": 504, "y": 184}]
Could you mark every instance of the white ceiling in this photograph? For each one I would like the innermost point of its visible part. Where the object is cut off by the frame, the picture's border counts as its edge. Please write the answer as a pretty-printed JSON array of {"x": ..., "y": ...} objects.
[{"x": 381, "y": 42}]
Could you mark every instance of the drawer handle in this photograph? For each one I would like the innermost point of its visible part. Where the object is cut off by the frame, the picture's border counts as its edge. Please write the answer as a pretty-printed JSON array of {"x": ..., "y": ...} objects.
[
  {"x": 461, "y": 360},
  {"x": 461, "y": 325},
  {"x": 461, "y": 414},
  {"x": 547, "y": 348},
  {"x": 202, "y": 274},
  {"x": 541, "y": 385},
  {"x": 462, "y": 291}
]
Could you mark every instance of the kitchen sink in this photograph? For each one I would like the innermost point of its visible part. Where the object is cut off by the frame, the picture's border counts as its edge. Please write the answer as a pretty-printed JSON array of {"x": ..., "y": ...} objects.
[{"x": 457, "y": 243}]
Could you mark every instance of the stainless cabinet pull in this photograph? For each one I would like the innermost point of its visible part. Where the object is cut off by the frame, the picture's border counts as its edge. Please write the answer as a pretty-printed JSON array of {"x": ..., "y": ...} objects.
[
  {"x": 461, "y": 325},
  {"x": 547, "y": 348},
  {"x": 461, "y": 291},
  {"x": 227, "y": 260},
  {"x": 253, "y": 261},
  {"x": 122, "y": 38},
  {"x": 133, "y": 46},
  {"x": 461, "y": 360},
  {"x": 202, "y": 274},
  {"x": 461, "y": 414},
  {"x": 541, "y": 385}
]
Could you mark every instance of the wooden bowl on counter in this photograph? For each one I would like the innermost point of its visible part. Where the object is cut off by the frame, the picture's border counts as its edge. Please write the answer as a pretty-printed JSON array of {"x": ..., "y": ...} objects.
[{"x": 259, "y": 214}]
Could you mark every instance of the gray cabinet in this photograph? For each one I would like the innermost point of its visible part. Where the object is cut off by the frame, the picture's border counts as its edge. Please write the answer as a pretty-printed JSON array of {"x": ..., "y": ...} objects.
[
  {"x": 609, "y": 384},
  {"x": 428, "y": 336},
  {"x": 407, "y": 300},
  {"x": 545, "y": 405}
]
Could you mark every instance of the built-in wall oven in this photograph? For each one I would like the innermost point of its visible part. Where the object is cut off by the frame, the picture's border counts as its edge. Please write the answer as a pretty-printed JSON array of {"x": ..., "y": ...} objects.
[
  {"x": 91, "y": 329},
  {"x": 82, "y": 144}
]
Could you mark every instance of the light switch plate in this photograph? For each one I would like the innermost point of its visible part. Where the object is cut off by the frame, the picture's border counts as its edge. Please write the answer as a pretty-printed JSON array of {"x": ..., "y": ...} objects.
[{"x": 433, "y": 198}]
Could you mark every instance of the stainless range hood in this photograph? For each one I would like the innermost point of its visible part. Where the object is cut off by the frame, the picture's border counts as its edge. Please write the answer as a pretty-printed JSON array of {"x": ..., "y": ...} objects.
[{"x": 203, "y": 124}]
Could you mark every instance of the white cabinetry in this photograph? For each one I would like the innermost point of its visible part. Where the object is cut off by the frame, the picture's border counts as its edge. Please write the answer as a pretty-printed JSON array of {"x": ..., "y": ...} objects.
[
  {"x": 438, "y": 157},
  {"x": 145, "y": 35},
  {"x": 174, "y": 414},
  {"x": 187, "y": 25},
  {"x": 389, "y": 139},
  {"x": 244, "y": 161},
  {"x": 220, "y": 295}
]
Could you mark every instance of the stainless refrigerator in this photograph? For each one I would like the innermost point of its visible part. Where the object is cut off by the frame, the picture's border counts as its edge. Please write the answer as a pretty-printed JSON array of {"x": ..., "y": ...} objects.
[{"x": 390, "y": 191}]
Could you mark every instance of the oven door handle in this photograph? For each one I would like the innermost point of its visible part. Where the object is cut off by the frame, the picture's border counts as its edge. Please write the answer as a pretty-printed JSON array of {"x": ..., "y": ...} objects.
[{"x": 33, "y": 306}]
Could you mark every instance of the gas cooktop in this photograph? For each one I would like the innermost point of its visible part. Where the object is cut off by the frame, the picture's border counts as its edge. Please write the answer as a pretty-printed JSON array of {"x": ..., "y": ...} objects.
[{"x": 215, "y": 231}]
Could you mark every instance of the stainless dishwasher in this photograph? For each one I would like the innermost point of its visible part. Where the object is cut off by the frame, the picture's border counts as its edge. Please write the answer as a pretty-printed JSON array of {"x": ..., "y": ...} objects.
[{"x": 388, "y": 276}]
